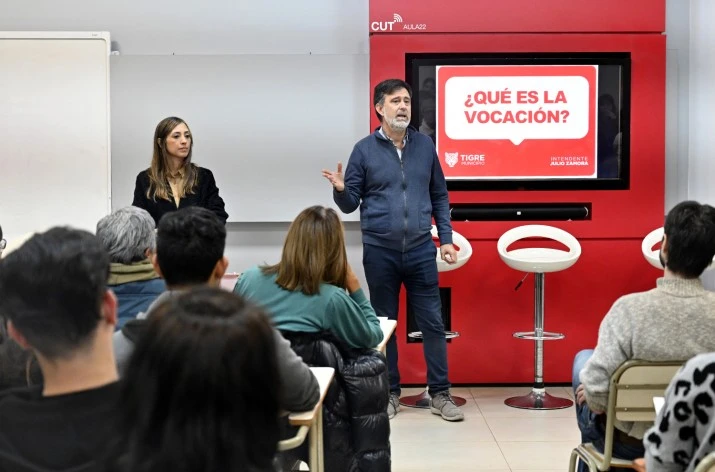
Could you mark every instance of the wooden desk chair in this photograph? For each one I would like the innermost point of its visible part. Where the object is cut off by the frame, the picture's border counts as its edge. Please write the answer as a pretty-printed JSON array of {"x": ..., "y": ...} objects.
[
  {"x": 311, "y": 422},
  {"x": 630, "y": 398},
  {"x": 292, "y": 443},
  {"x": 707, "y": 464}
]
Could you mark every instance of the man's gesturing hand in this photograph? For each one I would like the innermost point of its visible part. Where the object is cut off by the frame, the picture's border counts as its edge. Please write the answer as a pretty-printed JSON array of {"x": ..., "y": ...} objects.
[{"x": 336, "y": 178}]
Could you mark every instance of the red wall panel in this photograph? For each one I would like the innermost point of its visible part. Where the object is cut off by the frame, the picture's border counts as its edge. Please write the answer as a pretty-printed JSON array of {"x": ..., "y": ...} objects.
[{"x": 485, "y": 308}]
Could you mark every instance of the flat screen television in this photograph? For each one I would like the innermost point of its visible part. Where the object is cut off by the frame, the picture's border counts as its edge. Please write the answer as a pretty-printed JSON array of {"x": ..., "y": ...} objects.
[{"x": 525, "y": 121}]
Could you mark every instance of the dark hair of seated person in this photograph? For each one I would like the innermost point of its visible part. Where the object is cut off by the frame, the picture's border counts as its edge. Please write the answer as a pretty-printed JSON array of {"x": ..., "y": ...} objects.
[
  {"x": 201, "y": 389},
  {"x": 55, "y": 308},
  {"x": 189, "y": 243},
  {"x": 690, "y": 238}
]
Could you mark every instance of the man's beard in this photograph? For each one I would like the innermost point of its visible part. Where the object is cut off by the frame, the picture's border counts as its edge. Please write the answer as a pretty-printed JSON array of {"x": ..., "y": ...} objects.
[{"x": 398, "y": 125}]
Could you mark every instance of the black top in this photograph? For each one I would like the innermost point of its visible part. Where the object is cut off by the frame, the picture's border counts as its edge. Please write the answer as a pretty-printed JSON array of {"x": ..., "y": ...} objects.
[
  {"x": 205, "y": 195},
  {"x": 58, "y": 433}
]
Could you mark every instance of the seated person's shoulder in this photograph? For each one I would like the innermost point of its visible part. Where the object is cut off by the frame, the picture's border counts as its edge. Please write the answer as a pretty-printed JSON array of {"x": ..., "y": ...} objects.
[
  {"x": 151, "y": 286},
  {"x": 12, "y": 397},
  {"x": 637, "y": 300},
  {"x": 132, "y": 329},
  {"x": 22, "y": 393},
  {"x": 251, "y": 275}
]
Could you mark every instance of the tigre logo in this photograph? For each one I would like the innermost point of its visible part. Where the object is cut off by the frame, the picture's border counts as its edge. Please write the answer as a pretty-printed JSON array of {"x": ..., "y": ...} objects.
[{"x": 451, "y": 158}]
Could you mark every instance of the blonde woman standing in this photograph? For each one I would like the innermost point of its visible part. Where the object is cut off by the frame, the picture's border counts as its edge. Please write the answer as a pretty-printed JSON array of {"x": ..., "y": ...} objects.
[{"x": 173, "y": 181}]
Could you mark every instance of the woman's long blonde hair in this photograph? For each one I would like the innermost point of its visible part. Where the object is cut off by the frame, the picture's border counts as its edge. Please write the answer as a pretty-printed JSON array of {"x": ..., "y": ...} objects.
[
  {"x": 159, "y": 171},
  {"x": 313, "y": 252}
]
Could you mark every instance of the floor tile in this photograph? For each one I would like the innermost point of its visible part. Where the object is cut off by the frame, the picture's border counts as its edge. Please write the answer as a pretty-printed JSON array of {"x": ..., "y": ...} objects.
[
  {"x": 538, "y": 470},
  {"x": 538, "y": 455},
  {"x": 534, "y": 429},
  {"x": 407, "y": 429},
  {"x": 425, "y": 456}
]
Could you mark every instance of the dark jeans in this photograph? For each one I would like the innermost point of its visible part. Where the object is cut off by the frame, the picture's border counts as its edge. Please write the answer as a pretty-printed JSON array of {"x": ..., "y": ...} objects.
[
  {"x": 386, "y": 270},
  {"x": 591, "y": 425}
]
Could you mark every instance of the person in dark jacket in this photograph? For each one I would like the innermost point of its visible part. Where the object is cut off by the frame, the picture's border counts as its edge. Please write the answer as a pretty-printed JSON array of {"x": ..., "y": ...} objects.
[
  {"x": 128, "y": 236},
  {"x": 355, "y": 423},
  {"x": 53, "y": 291},
  {"x": 394, "y": 176},
  {"x": 173, "y": 181}
]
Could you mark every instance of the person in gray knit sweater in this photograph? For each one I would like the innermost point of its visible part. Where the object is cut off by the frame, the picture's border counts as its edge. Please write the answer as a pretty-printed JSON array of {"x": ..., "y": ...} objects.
[{"x": 673, "y": 321}]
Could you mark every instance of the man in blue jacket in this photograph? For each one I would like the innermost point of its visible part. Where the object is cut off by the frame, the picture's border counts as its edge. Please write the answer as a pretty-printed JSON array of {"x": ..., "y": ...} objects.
[{"x": 394, "y": 176}]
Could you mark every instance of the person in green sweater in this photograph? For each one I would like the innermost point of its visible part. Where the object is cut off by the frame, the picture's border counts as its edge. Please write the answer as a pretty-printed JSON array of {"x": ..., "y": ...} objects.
[{"x": 313, "y": 288}]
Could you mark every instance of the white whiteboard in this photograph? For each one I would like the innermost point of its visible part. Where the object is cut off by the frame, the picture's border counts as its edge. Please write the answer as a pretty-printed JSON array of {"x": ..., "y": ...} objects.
[
  {"x": 264, "y": 124},
  {"x": 54, "y": 130}
]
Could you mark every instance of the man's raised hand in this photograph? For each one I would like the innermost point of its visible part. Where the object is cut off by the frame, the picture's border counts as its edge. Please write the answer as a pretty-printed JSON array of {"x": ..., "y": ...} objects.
[{"x": 336, "y": 178}]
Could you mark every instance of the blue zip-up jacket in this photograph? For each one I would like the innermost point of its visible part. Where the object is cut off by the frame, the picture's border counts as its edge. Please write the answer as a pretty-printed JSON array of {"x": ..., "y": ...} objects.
[{"x": 397, "y": 198}]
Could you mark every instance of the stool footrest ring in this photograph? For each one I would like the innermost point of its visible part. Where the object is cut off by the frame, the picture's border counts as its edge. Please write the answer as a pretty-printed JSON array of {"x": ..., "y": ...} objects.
[
  {"x": 447, "y": 334},
  {"x": 545, "y": 336}
]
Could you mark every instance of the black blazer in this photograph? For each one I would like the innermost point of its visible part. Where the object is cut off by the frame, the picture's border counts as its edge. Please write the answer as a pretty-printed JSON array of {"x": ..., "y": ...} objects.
[{"x": 205, "y": 195}]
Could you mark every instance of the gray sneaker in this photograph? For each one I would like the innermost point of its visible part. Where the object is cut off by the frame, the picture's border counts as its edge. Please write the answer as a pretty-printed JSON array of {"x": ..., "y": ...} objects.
[
  {"x": 393, "y": 406},
  {"x": 443, "y": 404}
]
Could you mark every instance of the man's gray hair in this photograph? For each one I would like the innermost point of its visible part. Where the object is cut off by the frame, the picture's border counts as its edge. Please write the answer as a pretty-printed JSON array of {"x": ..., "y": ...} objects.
[{"x": 126, "y": 234}]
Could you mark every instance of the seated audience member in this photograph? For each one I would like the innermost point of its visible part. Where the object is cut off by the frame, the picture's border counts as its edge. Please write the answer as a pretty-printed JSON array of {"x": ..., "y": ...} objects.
[
  {"x": 128, "y": 236},
  {"x": 306, "y": 291},
  {"x": 53, "y": 292},
  {"x": 201, "y": 392},
  {"x": 667, "y": 323},
  {"x": 305, "y": 294},
  {"x": 18, "y": 367},
  {"x": 189, "y": 253},
  {"x": 684, "y": 431}
]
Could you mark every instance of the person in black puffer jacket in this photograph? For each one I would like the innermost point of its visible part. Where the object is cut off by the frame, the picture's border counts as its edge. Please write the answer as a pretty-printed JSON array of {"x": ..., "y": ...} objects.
[{"x": 355, "y": 424}]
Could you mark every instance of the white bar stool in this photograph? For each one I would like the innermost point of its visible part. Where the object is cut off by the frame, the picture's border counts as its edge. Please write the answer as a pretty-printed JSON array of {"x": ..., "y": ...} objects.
[
  {"x": 653, "y": 255},
  {"x": 464, "y": 252},
  {"x": 538, "y": 260}
]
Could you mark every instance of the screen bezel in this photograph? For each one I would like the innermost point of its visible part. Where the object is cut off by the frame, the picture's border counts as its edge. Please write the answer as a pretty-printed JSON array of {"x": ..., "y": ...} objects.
[{"x": 413, "y": 61}]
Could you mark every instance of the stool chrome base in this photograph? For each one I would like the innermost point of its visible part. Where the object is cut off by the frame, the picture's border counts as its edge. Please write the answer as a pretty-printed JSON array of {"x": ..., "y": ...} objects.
[
  {"x": 422, "y": 400},
  {"x": 538, "y": 399}
]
